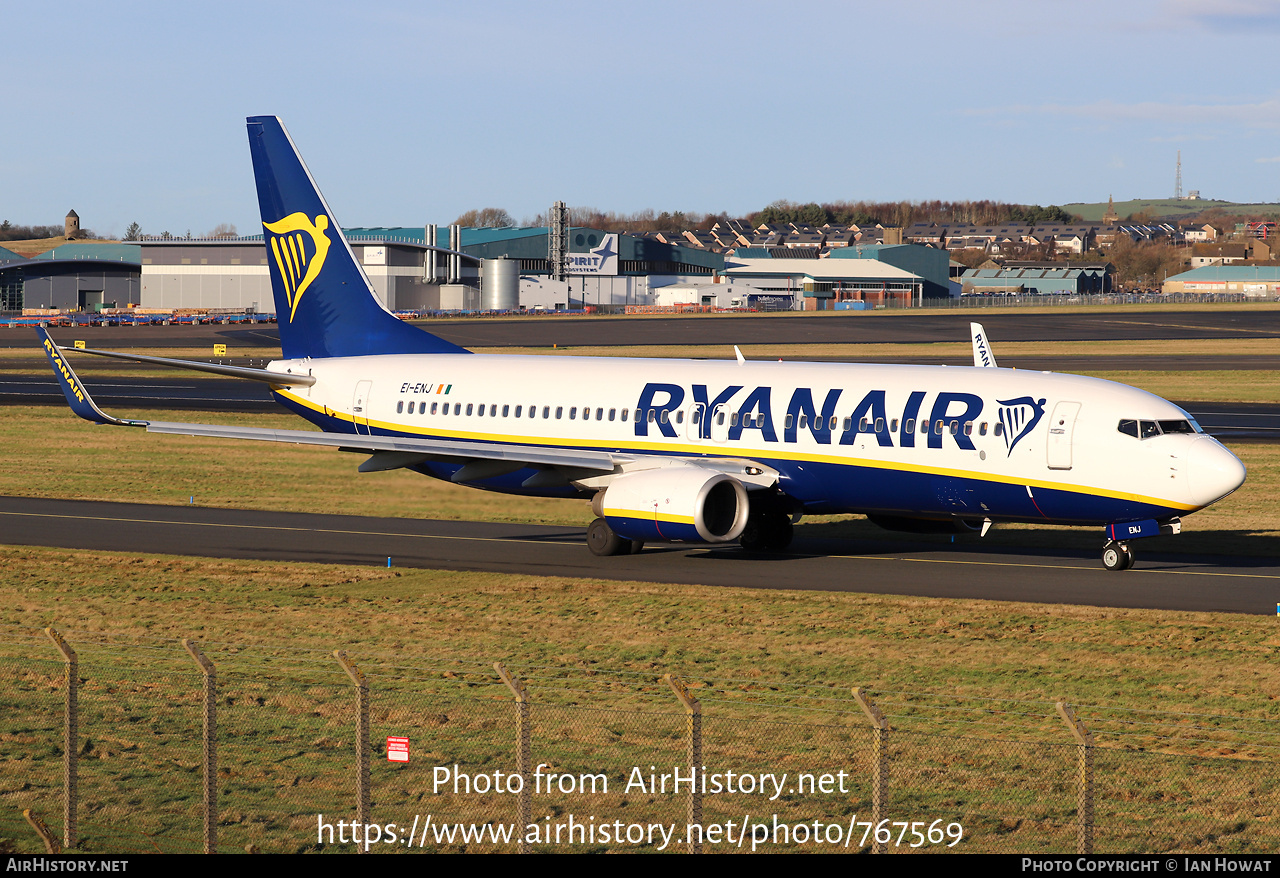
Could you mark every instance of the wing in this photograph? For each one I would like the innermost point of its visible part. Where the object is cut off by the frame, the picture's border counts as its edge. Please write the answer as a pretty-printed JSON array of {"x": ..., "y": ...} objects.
[{"x": 480, "y": 460}]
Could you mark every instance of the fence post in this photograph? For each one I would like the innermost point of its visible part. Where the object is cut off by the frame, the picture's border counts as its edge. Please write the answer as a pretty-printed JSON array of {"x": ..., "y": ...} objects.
[
  {"x": 210, "y": 745},
  {"x": 524, "y": 755},
  {"x": 362, "y": 743},
  {"x": 693, "y": 726},
  {"x": 1084, "y": 778},
  {"x": 70, "y": 739},
  {"x": 51, "y": 845},
  {"x": 880, "y": 769}
]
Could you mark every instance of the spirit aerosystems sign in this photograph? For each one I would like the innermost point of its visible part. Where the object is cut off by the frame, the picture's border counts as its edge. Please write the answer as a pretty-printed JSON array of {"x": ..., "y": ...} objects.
[{"x": 598, "y": 260}]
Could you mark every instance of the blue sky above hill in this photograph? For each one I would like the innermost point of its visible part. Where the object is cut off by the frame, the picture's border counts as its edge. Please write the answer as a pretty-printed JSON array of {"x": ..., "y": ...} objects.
[{"x": 410, "y": 113}]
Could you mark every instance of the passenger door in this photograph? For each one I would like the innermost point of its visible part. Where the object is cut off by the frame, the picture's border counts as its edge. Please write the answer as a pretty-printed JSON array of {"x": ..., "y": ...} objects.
[
  {"x": 1061, "y": 428},
  {"x": 360, "y": 407}
]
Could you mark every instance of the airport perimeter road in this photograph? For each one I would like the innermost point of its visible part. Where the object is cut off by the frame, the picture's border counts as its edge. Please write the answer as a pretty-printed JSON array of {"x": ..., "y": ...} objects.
[{"x": 1236, "y": 585}]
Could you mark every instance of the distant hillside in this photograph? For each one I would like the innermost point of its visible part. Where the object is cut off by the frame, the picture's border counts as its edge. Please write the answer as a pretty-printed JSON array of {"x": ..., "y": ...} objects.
[
  {"x": 36, "y": 246},
  {"x": 1169, "y": 208}
]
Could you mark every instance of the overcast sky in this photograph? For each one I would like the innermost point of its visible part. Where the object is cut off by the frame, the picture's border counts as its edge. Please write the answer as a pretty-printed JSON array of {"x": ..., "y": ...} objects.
[{"x": 413, "y": 112}]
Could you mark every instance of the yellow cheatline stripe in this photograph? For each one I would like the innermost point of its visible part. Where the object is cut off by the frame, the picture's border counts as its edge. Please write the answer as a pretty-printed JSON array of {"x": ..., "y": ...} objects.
[
  {"x": 648, "y": 515},
  {"x": 712, "y": 450}
]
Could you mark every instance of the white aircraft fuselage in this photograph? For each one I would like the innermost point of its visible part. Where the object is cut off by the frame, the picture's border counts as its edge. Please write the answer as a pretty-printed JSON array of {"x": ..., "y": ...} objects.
[
  {"x": 712, "y": 451},
  {"x": 930, "y": 441}
]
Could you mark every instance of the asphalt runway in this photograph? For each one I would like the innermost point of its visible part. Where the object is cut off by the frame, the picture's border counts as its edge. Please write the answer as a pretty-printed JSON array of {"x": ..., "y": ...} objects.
[
  {"x": 195, "y": 393},
  {"x": 843, "y": 328},
  {"x": 1229, "y": 422},
  {"x": 892, "y": 566},
  {"x": 966, "y": 571}
]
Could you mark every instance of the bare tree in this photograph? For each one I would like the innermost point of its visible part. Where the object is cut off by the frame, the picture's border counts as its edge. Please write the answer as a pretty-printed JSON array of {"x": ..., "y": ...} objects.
[{"x": 486, "y": 218}]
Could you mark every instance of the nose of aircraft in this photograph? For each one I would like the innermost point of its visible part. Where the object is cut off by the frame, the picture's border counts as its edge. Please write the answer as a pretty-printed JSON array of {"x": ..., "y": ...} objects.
[{"x": 1213, "y": 471}]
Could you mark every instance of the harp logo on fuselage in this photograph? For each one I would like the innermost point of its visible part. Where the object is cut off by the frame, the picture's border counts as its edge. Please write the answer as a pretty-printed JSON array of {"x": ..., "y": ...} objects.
[
  {"x": 1019, "y": 417},
  {"x": 299, "y": 247}
]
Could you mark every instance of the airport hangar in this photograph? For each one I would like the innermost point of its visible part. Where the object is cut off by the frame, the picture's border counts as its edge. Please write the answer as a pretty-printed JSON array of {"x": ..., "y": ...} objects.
[
  {"x": 73, "y": 277},
  {"x": 510, "y": 269}
]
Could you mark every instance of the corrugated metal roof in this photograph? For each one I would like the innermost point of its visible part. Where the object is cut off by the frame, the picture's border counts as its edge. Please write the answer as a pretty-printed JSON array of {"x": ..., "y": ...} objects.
[
  {"x": 819, "y": 269},
  {"x": 106, "y": 252},
  {"x": 9, "y": 255},
  {"x": 1230, "y": 272}
]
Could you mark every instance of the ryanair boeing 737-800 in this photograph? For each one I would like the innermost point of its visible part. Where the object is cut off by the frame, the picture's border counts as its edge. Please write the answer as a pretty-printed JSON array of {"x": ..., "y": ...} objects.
[{"x": 695, "y": 450}]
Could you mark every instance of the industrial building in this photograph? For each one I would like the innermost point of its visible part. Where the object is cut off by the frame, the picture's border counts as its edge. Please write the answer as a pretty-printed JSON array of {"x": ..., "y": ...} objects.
[
  {"x": 876, "y": 274},
  {"x": 73, "y": 277},
  {"x": 1260, "y": 281},
  {"x": 409, "y": 269}
]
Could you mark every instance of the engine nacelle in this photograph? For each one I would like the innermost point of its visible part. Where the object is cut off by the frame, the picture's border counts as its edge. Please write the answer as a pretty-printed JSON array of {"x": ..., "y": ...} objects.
[{"x": 675, "y": 504}]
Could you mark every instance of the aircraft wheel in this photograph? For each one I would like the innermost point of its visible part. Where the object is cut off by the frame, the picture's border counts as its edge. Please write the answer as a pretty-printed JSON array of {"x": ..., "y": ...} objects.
[
  {"x": 766, "y": 532},
  {"x": 601, "y": 539},
  {"x": 753, "y": 537},
  {"x": 783, "y": 533},
  {"x": 1117, "y": 556}
]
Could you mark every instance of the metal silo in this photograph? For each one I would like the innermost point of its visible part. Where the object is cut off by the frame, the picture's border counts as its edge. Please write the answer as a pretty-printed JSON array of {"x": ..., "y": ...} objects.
[{"x": 500, "y": 284}]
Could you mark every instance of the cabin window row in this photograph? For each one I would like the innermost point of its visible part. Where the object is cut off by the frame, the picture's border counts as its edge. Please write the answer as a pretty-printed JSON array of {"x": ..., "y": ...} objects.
[
  {"x": 865, "y": 425},
  {"x": 749, "y": 420},
  {"x": 491, "y": 410}
]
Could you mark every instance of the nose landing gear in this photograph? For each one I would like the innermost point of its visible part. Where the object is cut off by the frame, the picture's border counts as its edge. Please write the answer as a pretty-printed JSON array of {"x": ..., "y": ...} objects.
[{"x": 1117, "y": 555}]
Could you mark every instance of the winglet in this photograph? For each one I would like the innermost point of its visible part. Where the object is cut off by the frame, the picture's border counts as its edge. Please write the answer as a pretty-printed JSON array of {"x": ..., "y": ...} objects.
[
  {"x": 77, "y": 396},
  {"x": 982, "y": 355}
]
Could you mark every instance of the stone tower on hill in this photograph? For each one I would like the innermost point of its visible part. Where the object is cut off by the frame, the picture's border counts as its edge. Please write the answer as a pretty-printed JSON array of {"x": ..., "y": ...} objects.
[{"x": 71, "y": 226}]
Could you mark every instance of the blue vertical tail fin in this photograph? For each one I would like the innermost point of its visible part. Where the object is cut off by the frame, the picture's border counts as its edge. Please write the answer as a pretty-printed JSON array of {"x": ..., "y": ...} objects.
[{"x": 324, "y": 304}]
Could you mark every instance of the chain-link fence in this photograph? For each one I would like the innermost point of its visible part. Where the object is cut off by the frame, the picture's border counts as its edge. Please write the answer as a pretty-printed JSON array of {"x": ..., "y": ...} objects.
[{"x": 184, "y": 747}]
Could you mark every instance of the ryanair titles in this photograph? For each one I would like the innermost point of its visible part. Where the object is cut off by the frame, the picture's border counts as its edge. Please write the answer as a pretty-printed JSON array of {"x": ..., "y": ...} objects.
[
  {"x": 816, "y": 413},
  {"x": 68, "y": 377}
]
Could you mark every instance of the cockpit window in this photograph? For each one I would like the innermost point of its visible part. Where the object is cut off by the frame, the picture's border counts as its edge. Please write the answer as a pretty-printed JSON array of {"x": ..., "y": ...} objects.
[
  {"x": 1147, "y": 429},
  {"x": 1176, "y": 427}
]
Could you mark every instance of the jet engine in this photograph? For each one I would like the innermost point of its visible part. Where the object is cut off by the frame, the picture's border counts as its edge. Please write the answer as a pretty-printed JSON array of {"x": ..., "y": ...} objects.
[{"x": 674, "y": 504}]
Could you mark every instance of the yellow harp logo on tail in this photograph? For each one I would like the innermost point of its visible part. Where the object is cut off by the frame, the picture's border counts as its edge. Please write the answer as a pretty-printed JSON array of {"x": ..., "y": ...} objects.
[{"x": 299, "y": 247}]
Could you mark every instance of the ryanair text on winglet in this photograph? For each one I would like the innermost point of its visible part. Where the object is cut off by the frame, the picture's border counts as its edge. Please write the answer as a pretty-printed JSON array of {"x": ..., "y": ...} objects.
[{"x": 66, "y": 373}]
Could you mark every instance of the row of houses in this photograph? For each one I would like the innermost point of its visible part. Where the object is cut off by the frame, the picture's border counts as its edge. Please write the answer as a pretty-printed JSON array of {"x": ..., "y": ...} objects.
[{"x": 995, "y": 240}]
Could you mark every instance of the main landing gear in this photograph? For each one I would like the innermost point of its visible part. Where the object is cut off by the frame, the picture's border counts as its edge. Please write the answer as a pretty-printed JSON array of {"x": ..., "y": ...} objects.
[
  {"x": 1117, "y": 555},
  {"x": 601, "y": 540},
  {"x": 767, "y": 530}
]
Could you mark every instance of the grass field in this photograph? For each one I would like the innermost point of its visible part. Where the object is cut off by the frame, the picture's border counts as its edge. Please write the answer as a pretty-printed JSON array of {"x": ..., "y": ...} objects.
[
  {"x": 1141, "y": 659},
  {"x": 968, "y": 685}
]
